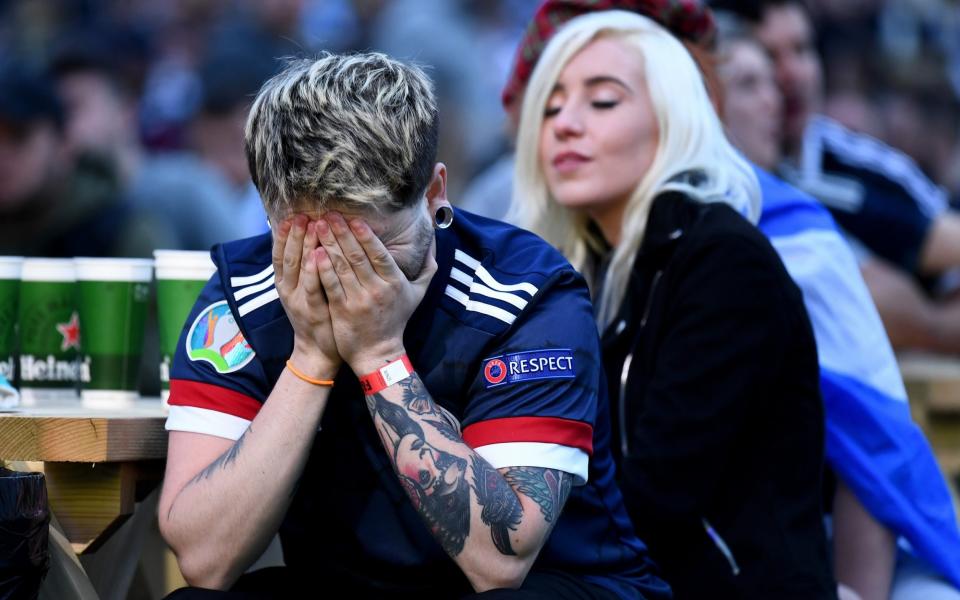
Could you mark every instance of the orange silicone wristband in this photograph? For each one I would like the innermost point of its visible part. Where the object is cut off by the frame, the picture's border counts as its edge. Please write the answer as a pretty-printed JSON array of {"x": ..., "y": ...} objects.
[{"x": 308, "y": 379}]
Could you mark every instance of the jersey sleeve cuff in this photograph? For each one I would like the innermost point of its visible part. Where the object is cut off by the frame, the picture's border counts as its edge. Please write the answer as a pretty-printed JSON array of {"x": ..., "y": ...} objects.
[
  {"x": 574, "y": 461},
  {"x": 193, "y": 419}
]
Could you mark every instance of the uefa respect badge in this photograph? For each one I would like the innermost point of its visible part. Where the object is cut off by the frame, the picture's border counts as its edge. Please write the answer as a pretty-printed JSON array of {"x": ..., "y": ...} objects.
[
  {"x": 215, "y": 337},
  {"x": 530, "y": 365}
]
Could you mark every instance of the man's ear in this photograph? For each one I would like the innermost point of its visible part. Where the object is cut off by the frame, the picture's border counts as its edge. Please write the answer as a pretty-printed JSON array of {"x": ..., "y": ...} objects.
[
  {"x": 437, "y": 188},
  {"x": 437, "y": 204}
]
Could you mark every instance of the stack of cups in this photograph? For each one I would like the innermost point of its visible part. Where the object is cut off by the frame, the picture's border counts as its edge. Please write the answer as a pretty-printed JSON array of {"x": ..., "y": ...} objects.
[
  {"x": 49, "y": 331},
  {"x": 181, "y": 275},
  {"x": 113, "y": 297},
  {"x": 10, "y": 268}
]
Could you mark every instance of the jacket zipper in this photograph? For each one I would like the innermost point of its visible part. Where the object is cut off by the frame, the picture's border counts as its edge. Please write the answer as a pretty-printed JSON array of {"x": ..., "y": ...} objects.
[
  {"x": 722, "y": 547},
  {"x": 625, "y": 370}
]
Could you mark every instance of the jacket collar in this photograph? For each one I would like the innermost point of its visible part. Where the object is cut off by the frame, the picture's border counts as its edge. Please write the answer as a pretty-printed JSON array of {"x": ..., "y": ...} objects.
[{"x": 671, "y": 216}]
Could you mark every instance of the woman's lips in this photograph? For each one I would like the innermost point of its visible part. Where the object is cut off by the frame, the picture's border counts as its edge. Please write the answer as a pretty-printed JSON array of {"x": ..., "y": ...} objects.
[{"x": 566, "y": 162}]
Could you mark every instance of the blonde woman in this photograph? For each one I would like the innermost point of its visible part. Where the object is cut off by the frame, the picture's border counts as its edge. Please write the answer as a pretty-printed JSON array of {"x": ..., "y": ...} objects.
[{"x": 622, "y": 164}]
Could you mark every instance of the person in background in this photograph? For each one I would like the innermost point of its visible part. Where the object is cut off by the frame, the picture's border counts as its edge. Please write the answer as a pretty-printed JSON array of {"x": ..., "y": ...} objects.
[
  {"x": 899, "y": 221},
  {"x": 231, "y": 75},
  {"x": 53, "y": 203},
  {"x": 187, "y": 203},
  {"x": 881, "y": 496},
  {"x": 622, "y": 164}
]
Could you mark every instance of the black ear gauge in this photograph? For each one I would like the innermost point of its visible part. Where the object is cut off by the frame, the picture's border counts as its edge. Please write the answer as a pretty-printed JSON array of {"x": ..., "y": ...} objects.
[{"x": 443, "y": 218}]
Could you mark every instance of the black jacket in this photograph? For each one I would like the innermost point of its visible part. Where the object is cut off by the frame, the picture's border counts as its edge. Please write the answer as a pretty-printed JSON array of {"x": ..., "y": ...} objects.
[{"x": 715, "y": 396}]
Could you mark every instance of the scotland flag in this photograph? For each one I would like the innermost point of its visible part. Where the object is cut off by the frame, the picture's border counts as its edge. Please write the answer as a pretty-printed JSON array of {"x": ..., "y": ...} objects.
[{"x": 872, "y": 443}]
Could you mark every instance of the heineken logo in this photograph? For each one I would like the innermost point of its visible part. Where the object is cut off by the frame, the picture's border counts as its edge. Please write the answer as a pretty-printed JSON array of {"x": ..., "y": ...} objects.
[
  {"x": 70, "y": 332},
  {"x": 48, "y": 369},
  {"x": 215, "y": 337}
]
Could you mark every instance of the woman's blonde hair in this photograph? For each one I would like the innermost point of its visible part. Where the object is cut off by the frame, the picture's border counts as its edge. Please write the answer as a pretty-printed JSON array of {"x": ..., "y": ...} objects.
[{"x": 693, "y": 155}]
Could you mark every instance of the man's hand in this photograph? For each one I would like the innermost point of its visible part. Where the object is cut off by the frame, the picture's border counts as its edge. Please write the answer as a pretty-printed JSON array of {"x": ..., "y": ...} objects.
[
  {"x": 370, "y": 299},
  {"x": 298, "y": 285}
]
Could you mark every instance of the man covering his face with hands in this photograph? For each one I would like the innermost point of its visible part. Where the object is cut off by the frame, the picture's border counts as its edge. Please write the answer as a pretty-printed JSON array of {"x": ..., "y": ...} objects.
[{"x": 374, "y": 412}]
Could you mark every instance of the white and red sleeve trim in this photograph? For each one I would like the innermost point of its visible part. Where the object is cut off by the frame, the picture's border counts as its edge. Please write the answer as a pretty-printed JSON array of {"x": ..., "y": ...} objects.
[
  {"x": 210, "y": 409},
  {"x": 546, "y": 442}
]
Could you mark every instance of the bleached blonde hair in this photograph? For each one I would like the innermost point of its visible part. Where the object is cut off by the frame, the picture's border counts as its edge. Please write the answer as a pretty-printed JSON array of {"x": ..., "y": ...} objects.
[
  {"x": 357, "y": 130},
  {"x": 693, "y": 155}
]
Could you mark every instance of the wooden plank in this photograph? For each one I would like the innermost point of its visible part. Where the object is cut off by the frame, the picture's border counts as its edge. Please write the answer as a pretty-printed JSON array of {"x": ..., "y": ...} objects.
[
  {"x": 75, "y": 434},
  {"x": 933, "y": 382},
  {"x": 90, "y": 500}
]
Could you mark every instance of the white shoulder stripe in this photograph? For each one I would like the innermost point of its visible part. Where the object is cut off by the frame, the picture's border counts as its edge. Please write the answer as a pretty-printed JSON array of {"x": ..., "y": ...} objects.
[
  {"x": 863, "y": 151},
  {"x": 501, "y": 287},
  {"x": 480, "y": 307},
  {"x": 253, "y": 289},
  {"x": 513, "y": 299},
  {"x": 242, "y": 281},
  {"x": 458, "y": 275},
  {"x": 258, "y": 301},
  {"x": 466, "y": 259},
  {"x": 478, "y": 288}
]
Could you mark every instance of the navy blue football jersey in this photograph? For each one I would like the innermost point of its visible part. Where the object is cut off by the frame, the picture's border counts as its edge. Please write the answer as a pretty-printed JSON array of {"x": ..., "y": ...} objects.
[
  {"x": 876, "y": 193},
  {"x": 506, "y": 344}
]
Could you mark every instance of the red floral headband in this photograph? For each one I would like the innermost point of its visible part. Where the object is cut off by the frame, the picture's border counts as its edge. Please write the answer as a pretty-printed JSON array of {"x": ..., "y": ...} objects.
[{"x": 687, "y": 19}]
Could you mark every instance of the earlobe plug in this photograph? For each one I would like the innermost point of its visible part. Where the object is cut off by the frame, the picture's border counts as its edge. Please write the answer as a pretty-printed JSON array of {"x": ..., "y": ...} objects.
[{"x": 443, "y": 218}]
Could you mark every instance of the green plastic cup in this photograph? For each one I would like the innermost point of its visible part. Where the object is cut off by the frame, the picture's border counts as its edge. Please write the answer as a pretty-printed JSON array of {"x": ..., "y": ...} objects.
[
  {"x": 181, "y": 275},
  {"x": 10, "y": 268},
  {"x": 113, "y": 298},
  {"x": 49, "y": 331}
]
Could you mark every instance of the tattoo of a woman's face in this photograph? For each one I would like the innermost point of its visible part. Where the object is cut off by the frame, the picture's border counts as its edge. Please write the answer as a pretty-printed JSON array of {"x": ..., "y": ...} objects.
[{"x": 434, "y": 480}]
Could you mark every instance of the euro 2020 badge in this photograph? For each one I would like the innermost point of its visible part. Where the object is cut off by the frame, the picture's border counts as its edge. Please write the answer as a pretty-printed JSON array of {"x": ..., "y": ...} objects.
[{"x": 216, "y": 338}]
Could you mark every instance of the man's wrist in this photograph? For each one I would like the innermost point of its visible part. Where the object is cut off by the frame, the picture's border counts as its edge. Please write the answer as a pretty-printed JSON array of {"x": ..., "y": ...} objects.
[
  {"x": 316, "y": 366},
  {"x": 376, "y": 358}
]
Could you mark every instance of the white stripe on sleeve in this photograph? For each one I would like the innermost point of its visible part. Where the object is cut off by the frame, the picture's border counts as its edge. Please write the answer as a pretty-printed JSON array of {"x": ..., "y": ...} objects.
[
  {"x": 538, "y": 454},
  {"x": 203, "y": 420}
]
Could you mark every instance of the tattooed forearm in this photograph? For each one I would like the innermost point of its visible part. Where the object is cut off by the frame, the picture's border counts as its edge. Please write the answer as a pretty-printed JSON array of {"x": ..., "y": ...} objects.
[
  {"x": 435, "y": 480},
  {"x": 502, "y": 510},
  {"x": 224, "y": 459},
  {"x": 415, "y": 397},
  {"x": 220, "y": 463},
  {"x": 547, "y": 487}
]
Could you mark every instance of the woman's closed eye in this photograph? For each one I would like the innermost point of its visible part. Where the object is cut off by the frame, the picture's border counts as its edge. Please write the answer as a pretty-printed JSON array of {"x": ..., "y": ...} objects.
[
  {"x": 604, "y": 104},
  {"x": 551, "y": 111}
]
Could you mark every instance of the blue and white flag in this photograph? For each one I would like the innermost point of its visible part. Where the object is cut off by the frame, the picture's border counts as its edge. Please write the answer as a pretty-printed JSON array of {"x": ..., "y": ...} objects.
[{"x": 872, "y": 443}]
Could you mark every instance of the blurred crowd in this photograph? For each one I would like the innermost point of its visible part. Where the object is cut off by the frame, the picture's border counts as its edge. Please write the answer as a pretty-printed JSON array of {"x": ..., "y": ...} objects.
[{"x": 121, "y": 122}]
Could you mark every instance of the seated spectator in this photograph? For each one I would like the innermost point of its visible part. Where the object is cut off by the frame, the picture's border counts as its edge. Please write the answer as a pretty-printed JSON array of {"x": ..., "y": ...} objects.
[
  {"x": 486, "y": 469},
  {"x": 52, "y": 203},
  {"x": 874, "y": 504},
  {"x": 189, "y": 205},
  {"x": 899, "y": 220},
  {"x": 623, "y": 165}
]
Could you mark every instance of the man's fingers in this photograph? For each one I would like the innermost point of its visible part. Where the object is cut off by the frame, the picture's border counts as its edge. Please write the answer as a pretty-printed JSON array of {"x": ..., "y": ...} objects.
[
  {"x": 309, "y": 276},
  {"x": 328, "y": 276},
  {"x": 279, "y": 243},
  {"x": 292, "y": 252},
  {"x": 349, "y": 284},
  {"x": 352, "y": 250},
  {"x": 381, "y": 260}
]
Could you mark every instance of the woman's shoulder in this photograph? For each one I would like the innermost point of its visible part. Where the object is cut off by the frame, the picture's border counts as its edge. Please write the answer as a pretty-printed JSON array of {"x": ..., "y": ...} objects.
[{"x": 711, "y": 224}]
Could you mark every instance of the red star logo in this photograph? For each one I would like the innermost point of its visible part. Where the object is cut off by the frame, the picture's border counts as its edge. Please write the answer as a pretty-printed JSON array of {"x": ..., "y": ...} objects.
[{"x": 70, "y": 332}]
